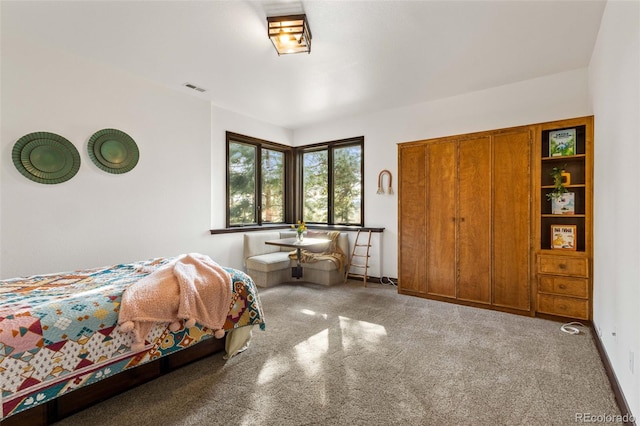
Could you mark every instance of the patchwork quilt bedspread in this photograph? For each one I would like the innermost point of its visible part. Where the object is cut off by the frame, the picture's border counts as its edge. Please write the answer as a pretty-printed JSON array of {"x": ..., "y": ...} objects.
[{"x": 58, "y": 332}]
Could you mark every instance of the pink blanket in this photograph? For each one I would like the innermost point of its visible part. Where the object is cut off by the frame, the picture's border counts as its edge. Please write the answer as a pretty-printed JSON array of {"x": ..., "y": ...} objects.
[{"x": 193, "y": 288}]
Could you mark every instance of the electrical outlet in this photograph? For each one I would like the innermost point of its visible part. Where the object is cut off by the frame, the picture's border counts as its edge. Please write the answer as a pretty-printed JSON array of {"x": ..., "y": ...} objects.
[{"x": 631, "y": 362}]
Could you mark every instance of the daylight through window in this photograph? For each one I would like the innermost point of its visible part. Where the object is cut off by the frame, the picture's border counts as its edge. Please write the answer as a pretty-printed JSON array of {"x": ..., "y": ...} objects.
[
  {"x": 332, "y": 186},
  {"x": 262, "y": 189},
  {"x": 255, "y": 195}
]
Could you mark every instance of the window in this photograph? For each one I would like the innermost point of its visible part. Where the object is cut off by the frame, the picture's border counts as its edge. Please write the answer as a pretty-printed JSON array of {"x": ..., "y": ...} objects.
[
  {"x": 261, "y": 188},
  {"x": 315, "y": 172},
  {"x": 332, "y": 186},
  {"x": 273, "y": 183},
  {"x": 256, "y": 177}
]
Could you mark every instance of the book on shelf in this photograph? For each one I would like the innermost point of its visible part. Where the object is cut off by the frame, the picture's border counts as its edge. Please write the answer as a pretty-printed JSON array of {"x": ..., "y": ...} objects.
[
  {"x": 562, "y": 142},
  {"x": 563, "y": 237},
  {"x": 564, "y": 204}
]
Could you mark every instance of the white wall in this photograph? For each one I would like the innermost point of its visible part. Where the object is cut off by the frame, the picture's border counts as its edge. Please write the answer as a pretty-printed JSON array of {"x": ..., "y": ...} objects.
[
  {"x": 160, "y": 208},
  {"x": 543, "y": 99},
  {"x": 614, "y": 83},
  {"x": 165, "y": 206}
]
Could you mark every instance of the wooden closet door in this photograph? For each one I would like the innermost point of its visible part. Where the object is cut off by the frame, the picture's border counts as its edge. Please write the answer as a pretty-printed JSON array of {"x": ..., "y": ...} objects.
[
  {"x": 511, "y": 220},
  {"x": 441, "y": 219},
  {"x": 412, "y": 232},
  {"x": 474, "y": 220}
]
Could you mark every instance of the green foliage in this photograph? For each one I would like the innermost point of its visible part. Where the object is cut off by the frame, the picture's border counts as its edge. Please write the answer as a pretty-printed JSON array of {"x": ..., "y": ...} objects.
[
  {"x": 347, "y": 185},
  {"x": 315, "y": 186},
  {"x": 242, "y": 172},
  {"x": 272, "y": 186},
  {"x": 345, "y": 173},
  {"x": 242, "y": 184},
  {"x": 347, "y": 188},
  {"x": 559, "y": 188}
]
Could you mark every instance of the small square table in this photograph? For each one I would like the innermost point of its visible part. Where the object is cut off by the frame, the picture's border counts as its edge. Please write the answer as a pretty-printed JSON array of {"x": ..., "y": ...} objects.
[{"x": 296, "y": 272}]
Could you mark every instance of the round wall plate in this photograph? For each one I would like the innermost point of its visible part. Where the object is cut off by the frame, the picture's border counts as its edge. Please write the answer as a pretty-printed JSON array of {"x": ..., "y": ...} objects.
[
  {"x": 113, "y": 151},
  {"x": 46, "y": 157}
]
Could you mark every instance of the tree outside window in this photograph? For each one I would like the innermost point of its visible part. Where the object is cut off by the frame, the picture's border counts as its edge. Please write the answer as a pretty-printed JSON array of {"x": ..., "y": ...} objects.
[
  {"x": 242, "y": 183},
  {"x": 261, "y": 188},
  {"x": 245, "y": 181},
  {"x": 315, "y": 171},
  {"x": 273, "y": 207},
  {"x": 332, "y": 186},
  {"x": 347, "y": 185}
]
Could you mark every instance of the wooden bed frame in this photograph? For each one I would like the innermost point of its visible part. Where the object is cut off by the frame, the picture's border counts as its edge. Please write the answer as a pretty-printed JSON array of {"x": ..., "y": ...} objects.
[{"x": 82, "y": 398}]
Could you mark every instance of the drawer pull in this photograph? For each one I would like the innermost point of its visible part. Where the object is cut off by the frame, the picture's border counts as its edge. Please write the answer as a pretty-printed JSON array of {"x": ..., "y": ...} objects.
[
  {"x": 562, "y": 287},
  {"x": 562, "y": 266}
]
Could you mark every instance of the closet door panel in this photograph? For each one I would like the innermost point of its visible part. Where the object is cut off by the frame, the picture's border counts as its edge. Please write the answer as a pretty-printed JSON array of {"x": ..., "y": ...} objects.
[
  {"x": 441, "y": 219},
  {"x": 474, "y": 226},
  {"x": 412, "y": 220},
  {"x": 511, "y": 220}
]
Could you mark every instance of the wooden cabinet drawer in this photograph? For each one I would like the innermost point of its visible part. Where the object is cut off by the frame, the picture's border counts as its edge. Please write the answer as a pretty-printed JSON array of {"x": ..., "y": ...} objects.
[
  {"x": 567, "y": 286},
  {"x": 563, "y": 265},
  {"x": 563, "y": 306}
]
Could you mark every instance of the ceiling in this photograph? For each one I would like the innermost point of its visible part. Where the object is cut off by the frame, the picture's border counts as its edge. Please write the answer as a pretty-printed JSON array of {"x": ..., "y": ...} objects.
[{"x": 366, "y": 55}]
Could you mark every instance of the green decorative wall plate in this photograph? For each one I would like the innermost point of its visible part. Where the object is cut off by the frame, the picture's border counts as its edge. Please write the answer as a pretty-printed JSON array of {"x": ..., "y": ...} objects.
[
  {"x": 113, "y": 151},
  {"x": 45, "y": 157}
]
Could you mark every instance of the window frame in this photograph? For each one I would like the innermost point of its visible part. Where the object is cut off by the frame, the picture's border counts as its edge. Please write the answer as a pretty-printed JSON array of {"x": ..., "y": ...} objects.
[
  {"x": 293, "y": 188},
  {"x": 261, "y": 144},
  {"x": 330, "y": 147}
]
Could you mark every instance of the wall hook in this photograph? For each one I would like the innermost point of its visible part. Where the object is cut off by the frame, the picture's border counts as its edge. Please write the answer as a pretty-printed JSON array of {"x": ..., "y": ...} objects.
[{"x": 380, "y": 179}]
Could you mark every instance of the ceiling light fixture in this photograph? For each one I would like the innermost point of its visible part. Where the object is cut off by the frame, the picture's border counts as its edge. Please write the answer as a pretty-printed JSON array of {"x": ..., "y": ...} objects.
[{"x": 289, "y": 34}]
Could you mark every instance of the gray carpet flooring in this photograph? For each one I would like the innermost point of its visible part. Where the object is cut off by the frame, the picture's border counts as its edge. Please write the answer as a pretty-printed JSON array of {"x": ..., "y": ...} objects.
[{"x": 348, "y": 355}]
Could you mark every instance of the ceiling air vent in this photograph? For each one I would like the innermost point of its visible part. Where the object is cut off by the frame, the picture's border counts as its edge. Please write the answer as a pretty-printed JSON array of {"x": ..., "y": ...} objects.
[{"x": 194, "y": 87}]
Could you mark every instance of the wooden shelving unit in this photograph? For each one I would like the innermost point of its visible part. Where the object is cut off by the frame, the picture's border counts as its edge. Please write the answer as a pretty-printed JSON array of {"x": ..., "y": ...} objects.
[{"x": 563, "y": 276}]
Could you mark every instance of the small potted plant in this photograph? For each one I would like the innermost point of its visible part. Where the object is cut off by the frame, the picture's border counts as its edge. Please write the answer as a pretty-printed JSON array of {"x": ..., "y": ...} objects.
[
  {"x": 558, "y": 185},
  {"x": 562, "y": 201}
]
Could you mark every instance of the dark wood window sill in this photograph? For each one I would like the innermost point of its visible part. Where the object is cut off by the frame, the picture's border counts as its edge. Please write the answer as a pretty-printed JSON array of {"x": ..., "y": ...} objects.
[{"x": 251, "y": 228}]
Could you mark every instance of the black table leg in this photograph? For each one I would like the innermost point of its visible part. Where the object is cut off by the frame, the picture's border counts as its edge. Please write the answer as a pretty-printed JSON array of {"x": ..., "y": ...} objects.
[{"x": 296, "y": 271}]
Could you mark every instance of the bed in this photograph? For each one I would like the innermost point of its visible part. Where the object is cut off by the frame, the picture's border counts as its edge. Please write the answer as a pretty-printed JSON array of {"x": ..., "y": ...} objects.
[{"x": 59, "y": 333}]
